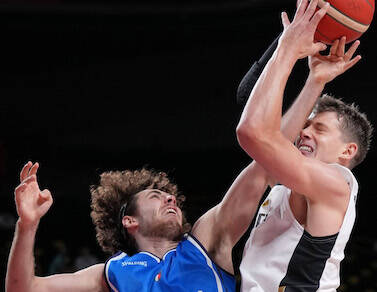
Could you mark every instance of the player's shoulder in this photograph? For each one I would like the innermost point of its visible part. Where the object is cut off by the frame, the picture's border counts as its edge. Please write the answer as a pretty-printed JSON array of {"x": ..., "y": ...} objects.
[
  {"x": 119, "y": 256},
  {"x": 345, "y": 172},
  {"x": 347, "y": 176},
  {"x": 331, "y": 181},
  {"x": 114, "y": 261}
]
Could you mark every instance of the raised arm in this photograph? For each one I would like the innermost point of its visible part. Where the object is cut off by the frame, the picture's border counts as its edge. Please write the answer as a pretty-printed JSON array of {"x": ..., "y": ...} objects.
[
  {"x": 32, "y": 204},
  {"x": 224, "y": 224},
  {"x": 259, "y": 128}
]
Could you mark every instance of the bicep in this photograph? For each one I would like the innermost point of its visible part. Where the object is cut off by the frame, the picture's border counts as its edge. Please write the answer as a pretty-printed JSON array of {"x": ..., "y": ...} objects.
[
  {"x": 87, "y": 280},
  {"x": 308, "y": 176}
]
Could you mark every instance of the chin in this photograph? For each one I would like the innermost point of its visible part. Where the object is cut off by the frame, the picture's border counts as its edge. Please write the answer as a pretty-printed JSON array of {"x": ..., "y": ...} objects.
[{"x": 171, "y": 230}]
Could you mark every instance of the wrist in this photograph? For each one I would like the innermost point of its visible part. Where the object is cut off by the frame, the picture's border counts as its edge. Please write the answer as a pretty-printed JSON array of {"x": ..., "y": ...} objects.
[
  {"x": 316, "y": 81},
  {"x": 315, "y": 87},
  {"x": 24, "y": 226},
  {"x": 285, "y": 55}
]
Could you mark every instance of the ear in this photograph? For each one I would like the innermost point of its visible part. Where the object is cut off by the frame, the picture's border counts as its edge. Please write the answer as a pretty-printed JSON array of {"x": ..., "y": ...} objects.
[
  {"x": 130, "y": 223},
  {"x": 349, "y": 153}
]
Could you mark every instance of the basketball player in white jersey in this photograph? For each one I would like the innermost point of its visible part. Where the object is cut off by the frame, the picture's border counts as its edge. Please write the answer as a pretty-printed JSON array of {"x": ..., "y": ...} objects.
[{"x": 302, "y": 227}]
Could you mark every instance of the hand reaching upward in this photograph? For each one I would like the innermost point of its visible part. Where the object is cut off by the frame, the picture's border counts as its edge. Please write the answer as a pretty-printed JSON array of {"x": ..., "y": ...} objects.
[
  {"x": 298, "y": 35},
  {"x": 31, "y": 202},
  {"x": 325, "y": 68}
]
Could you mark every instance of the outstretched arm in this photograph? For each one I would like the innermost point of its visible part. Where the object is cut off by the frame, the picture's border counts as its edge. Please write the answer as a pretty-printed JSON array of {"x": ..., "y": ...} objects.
[{"x": 32, "y": 204}]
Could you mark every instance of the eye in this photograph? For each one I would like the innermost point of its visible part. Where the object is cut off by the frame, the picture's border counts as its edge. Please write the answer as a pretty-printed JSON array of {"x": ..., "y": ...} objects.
[
  {"x": 154, "y": 195},
  {"x": 320, "y": 129}
]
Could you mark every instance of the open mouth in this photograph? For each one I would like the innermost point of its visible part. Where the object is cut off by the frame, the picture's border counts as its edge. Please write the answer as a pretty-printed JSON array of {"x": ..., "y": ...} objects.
[
  {"x": 306, "y": 148},
  {"x": 171, "y": 211}
]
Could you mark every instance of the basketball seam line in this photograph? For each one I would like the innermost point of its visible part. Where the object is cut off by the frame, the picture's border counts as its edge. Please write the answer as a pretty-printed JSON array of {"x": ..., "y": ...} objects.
[
  {"x": 358, "y": 23},
  {"x": 351, "y": 28},
  {"x": 349, "y": 16}
]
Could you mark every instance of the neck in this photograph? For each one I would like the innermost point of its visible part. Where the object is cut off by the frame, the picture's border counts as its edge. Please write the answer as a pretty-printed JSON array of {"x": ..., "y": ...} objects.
[{"x": 156, "y": 245}]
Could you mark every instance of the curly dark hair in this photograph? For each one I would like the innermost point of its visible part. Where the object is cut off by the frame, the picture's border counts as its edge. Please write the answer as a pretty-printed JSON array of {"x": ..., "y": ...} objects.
[
  {"x": 114, "y": 190},
  {"x": 354, "y": 124}
]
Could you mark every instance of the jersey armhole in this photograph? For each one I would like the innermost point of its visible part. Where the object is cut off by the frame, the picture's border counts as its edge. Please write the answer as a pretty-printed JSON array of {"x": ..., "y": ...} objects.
[
  {"x": 195, "y": 242},
  {"x": 106, "y": 270}
]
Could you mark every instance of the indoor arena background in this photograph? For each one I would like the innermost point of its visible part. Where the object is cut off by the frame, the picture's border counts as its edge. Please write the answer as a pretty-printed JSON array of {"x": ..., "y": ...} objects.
[{"x": 90, "y": 86}]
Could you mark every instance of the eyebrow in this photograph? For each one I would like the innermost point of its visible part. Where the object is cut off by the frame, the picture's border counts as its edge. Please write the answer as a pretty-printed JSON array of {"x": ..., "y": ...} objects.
[{"x": 154, "y": 191}]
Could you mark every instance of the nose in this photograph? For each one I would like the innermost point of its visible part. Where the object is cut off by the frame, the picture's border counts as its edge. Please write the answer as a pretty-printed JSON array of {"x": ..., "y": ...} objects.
[
  {"x": 305, "y": 133},
  {"x": 170, "y": 199}
]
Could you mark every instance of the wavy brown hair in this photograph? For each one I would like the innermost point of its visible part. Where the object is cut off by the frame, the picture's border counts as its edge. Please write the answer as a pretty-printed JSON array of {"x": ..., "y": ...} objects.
[{"x": 117, "y": 188}]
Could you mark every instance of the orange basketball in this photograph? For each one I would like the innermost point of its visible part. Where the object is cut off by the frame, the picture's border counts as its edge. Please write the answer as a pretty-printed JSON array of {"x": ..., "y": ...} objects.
[{"x": 350, "y": 18}]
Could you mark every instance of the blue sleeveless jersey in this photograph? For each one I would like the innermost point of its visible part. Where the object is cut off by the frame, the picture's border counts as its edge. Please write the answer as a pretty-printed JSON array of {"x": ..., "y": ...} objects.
[{"x": 185, "y": 268}]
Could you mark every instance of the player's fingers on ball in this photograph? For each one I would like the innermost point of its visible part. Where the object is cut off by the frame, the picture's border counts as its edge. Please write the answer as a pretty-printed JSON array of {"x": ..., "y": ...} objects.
[
  {"x": 341, "y": 47},
  {"x": 311, "y": 9},
  {"x": 352, "y": 50},
  {"x": 25, "y": 171},
  {"x": 334, "y": 47},
  {"x": 319, "y": 15}
]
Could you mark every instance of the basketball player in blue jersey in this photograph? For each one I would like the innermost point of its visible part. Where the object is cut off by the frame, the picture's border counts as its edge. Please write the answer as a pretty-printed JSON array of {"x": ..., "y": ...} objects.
[
  {"x": 303, "y": 226},
  {"x": 138, "y": 219}
]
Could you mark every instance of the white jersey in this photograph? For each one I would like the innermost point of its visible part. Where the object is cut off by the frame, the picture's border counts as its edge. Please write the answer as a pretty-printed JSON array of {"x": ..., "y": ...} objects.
[{"x": 281, "y": 256}]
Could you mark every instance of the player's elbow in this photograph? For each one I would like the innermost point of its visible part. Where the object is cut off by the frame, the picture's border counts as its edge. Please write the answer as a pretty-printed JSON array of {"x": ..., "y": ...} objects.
[
  {"x": 11, "y": 283},
  {"x": 34, "y": 284},
  {"x": 248, "y": 135},
  {"x": 15, "y": 285}
]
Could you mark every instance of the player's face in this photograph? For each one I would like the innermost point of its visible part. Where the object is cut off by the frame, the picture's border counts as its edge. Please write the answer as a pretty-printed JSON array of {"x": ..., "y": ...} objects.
[
  {"x": 158, "y": 214},
  {"x": 322, "y": 139}
]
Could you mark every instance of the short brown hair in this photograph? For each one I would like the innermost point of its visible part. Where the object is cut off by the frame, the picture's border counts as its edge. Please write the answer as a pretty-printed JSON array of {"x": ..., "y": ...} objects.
[
  {"x": 114, "y": 190},
  {"x": 354, "y": 124}
]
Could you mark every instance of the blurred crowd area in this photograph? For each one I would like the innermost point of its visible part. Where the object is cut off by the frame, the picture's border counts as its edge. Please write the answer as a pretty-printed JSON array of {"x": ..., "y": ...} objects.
[{"x": 65, "y": 255}]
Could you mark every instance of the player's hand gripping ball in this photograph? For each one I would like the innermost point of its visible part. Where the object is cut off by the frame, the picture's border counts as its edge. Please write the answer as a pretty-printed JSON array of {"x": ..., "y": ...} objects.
[{"x": 349, "y": 18}]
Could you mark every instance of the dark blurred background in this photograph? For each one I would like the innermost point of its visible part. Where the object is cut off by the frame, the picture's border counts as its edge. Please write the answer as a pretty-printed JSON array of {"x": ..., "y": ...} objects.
[{"x": 91, "y": 86}]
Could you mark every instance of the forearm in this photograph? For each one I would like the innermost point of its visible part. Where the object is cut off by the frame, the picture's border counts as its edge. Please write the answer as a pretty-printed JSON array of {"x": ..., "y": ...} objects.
[
  {"x": 229, "y": 220},
  {"x": 20, "y": 272},
  {"x": 294, "y": 119}
]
